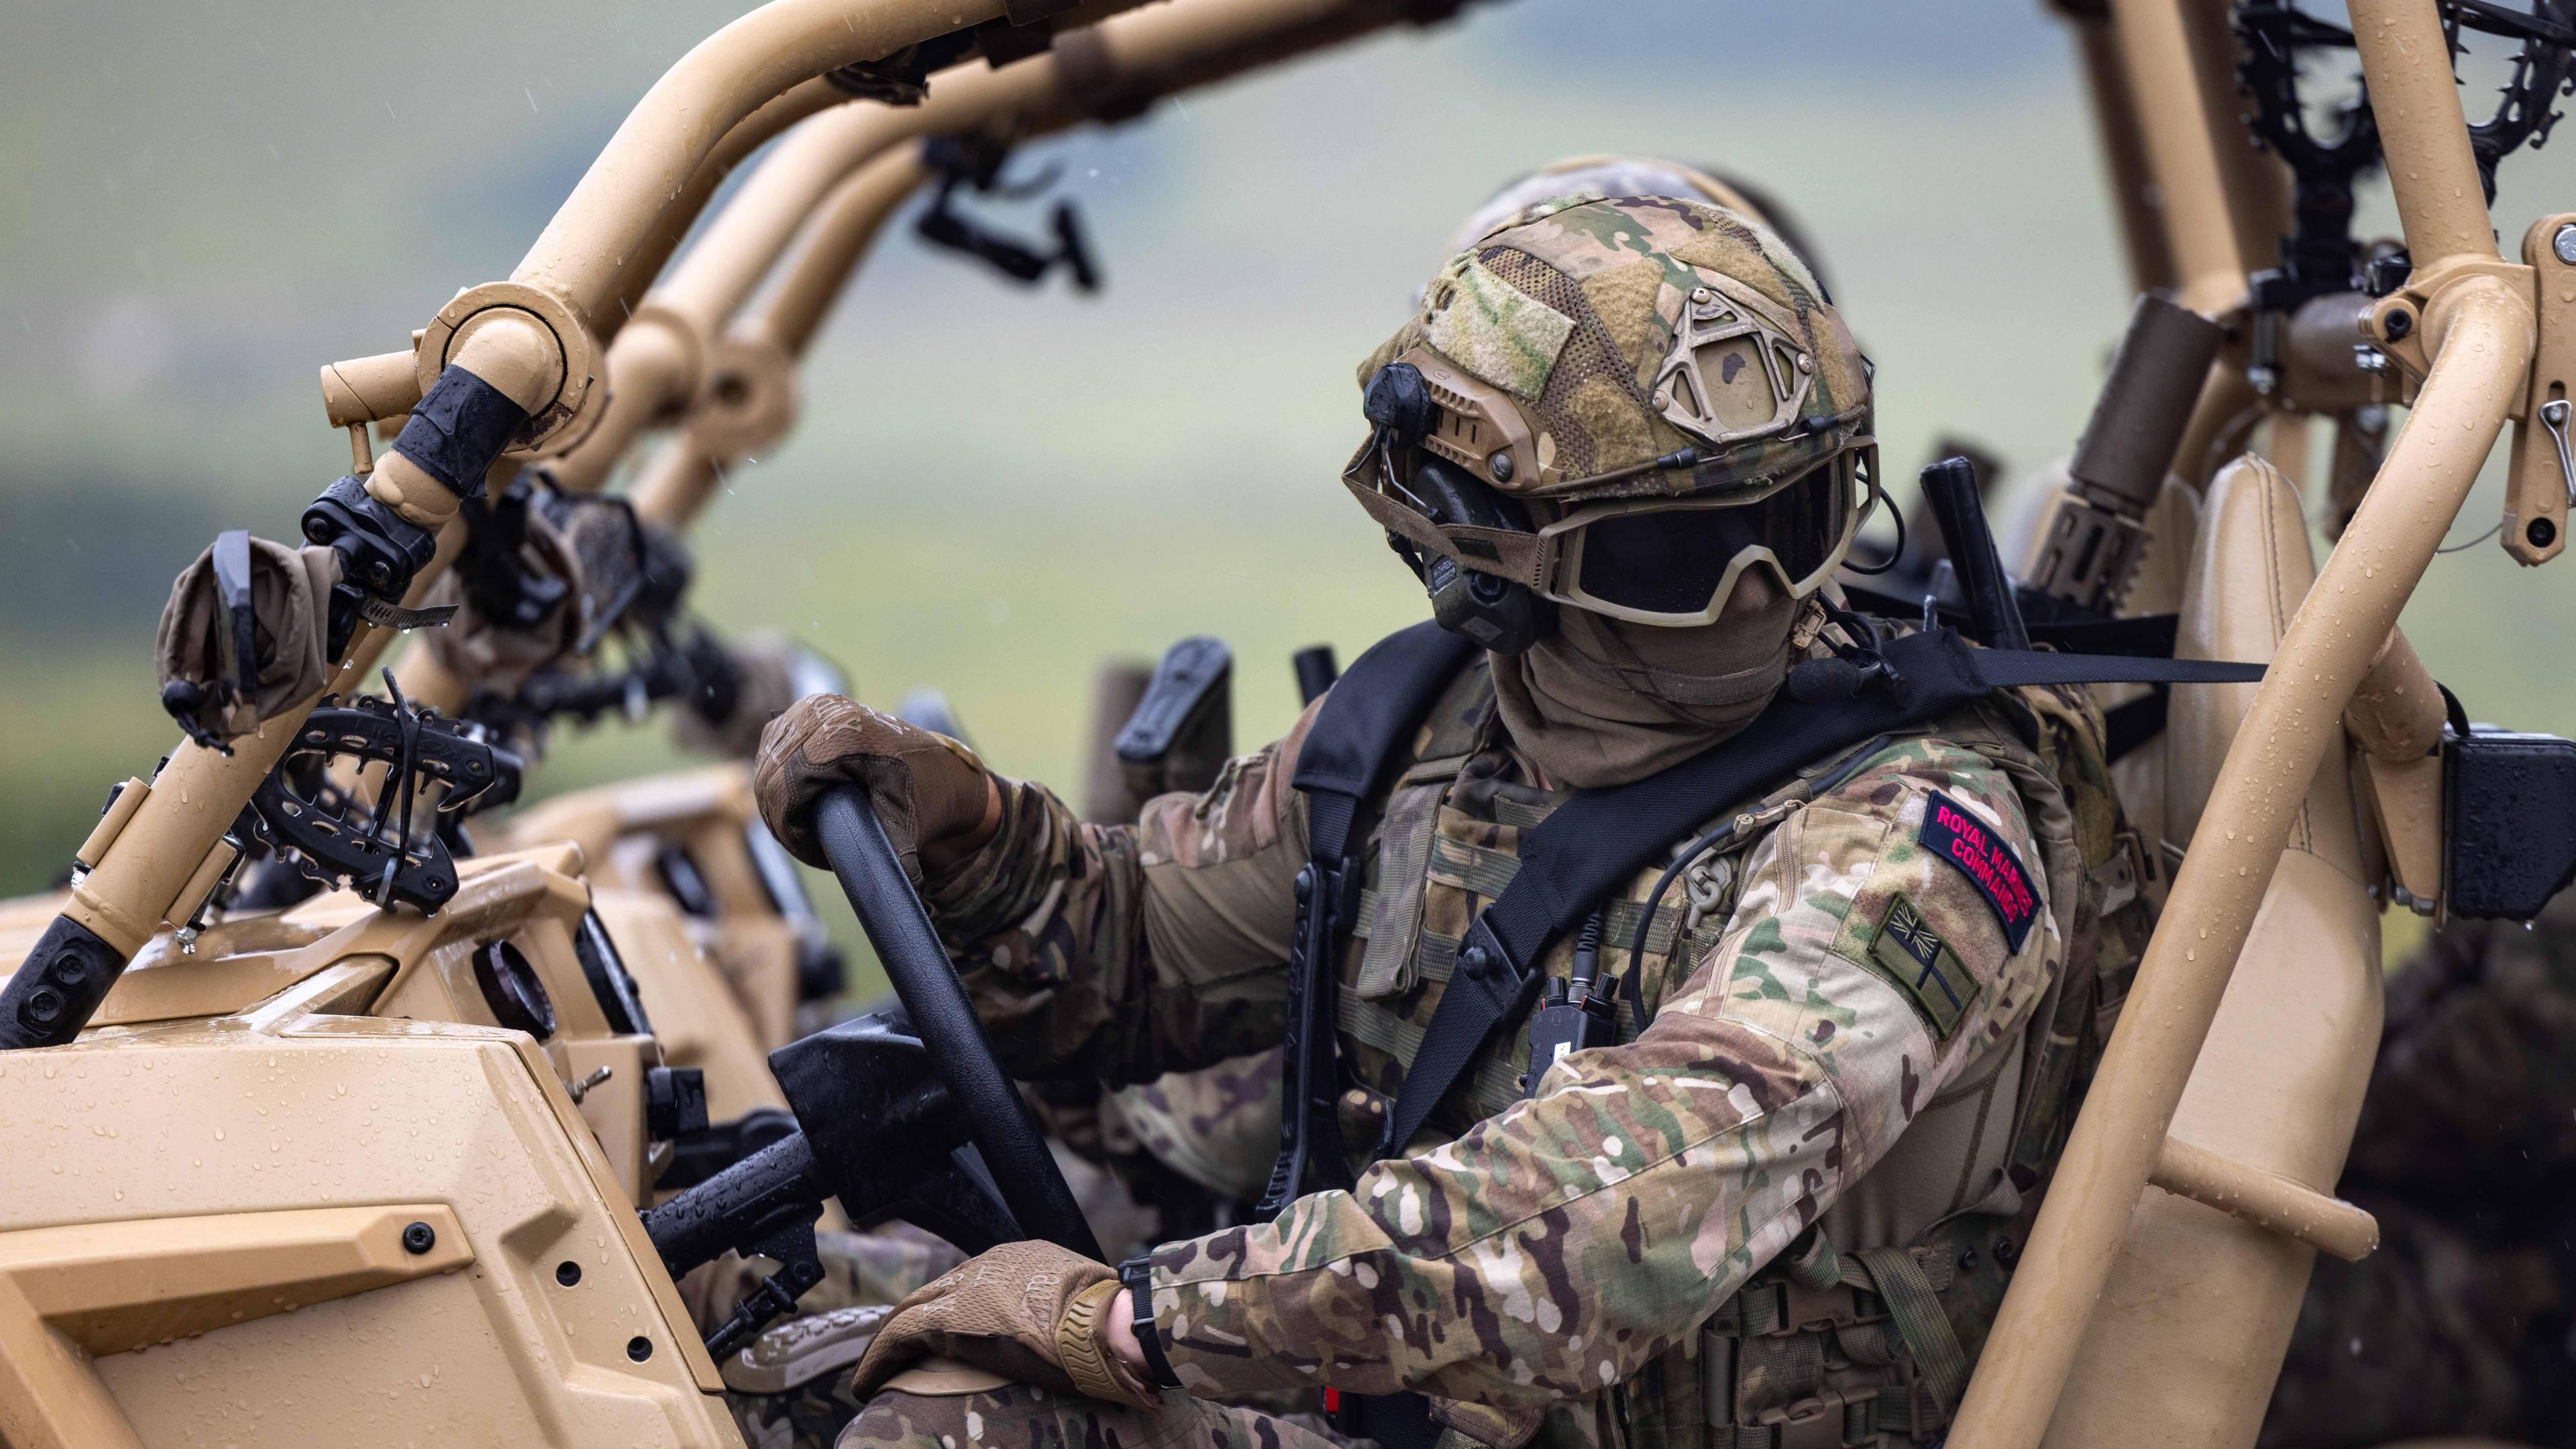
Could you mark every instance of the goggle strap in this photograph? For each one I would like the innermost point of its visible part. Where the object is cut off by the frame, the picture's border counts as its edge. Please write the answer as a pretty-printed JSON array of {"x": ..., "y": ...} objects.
[{"x": 1502, "y": 552}]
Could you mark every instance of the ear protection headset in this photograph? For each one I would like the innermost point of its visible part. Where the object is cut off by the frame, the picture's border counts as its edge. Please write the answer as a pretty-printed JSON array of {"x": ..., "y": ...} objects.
[{"x": 1504, "y": 617}]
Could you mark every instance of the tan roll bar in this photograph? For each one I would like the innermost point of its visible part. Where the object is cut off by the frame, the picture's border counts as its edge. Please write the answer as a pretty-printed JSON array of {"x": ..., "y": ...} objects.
[
  {"x": 747, "y": 397},
  {"x": 196, "y": 797},
  {"x": 751, "y": 399},
  {"x": 2479, "y": 332},
  {"x": 1113, "y": 64},
  {"x": 611, "y": 214}
]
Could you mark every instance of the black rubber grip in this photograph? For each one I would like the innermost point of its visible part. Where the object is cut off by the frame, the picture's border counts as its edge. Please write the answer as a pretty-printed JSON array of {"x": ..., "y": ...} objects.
[
  {"x": 899, "y": 926},
  {"x": 58, "y": 987},
  {"x": 459, "y": 429}
]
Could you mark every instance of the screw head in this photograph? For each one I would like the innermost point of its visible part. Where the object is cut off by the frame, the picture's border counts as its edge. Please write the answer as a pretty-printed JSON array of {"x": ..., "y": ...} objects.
[
  {"x": 2541, "y": 532},
  {"x": 2564, "y": 244},
  {"x": 2399, "y": 323},
  {"x": 43, "y": 1007},
  {"x": 419, "y": 1238},
  {"x": 1472, "y": 961},
  {"x": 1501, "y": 463}
]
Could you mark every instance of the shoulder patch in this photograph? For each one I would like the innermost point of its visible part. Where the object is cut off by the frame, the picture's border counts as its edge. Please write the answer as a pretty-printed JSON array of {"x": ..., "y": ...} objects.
[
  {"x": 1909, "y": 950},
  {"x": 1955, "y": 835}
]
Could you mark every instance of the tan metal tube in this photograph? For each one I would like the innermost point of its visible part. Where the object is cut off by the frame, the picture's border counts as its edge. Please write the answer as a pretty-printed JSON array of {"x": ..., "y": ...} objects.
[
  {"x": 2483, "y": 334},
  {"x": 639, "y": 272},
  {"x": 2396, "y": 710},
  {"x": 2257, "y": 181},
  {"x": 1151, "y": 53},
  {"x": 646, "y": 377},
  {"x": 2156, "y": 46},
  {"x": 684, "y": 475},
  {"x": 828, "y": 251},
  {"x": 197, "y": 796},
  {"x": 363, "y": 389},
  {"x": 2267, "y": 1200},
  {"x": 611, "y": 214},
  {"x": 678, "y": 482},
  {"x": 2122, "y": 133},
  {"x": 652, "y": 366},
  {"x": 2441, "y": 203}
]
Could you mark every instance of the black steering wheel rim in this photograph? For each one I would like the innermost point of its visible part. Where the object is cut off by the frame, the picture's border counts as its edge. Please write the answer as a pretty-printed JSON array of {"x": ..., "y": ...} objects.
[{"x": 996, "y": 1117}]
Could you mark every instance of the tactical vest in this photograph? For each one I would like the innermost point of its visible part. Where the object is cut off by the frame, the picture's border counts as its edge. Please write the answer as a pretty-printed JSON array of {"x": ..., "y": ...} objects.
[
  {"x": 1866, "y": 1343},
  {"x": 1833, "y": 1343}
]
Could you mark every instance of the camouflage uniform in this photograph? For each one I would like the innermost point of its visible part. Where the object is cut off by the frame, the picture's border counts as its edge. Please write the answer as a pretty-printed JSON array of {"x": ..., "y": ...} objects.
[{"x": 1543, "y": 1265}]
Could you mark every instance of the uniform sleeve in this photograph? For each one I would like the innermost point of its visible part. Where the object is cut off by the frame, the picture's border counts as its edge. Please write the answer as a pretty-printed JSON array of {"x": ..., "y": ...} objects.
[
  {"x": 1561, "y": 1245},
  {"x": 1121, "y": 952}
]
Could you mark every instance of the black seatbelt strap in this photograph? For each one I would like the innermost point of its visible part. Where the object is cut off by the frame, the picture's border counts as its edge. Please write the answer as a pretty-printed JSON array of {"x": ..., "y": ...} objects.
[
  {"x": 1600, "y": 838},
  {"x": 1365, "y": 722}
]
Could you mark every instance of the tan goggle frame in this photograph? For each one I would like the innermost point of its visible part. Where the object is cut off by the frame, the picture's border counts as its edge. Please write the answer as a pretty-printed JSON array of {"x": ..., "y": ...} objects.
[
  {"x": 1561, "y": 543},
  {"x": 1549, "y": 560}
]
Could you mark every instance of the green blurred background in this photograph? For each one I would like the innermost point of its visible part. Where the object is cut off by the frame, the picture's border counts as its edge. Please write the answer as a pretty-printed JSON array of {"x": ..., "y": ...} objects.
[{"x": 994, "y": 489}]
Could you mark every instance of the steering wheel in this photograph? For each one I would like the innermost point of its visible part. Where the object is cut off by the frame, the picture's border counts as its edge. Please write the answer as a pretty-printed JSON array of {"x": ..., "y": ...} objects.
[{"x": 997, "y": 1118}]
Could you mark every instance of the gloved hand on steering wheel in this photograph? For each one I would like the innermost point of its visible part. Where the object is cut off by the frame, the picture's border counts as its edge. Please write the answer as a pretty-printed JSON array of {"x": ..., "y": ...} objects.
[
  {"x": 1041, "y": 1314},
  {"x": 936, "y": 800}
]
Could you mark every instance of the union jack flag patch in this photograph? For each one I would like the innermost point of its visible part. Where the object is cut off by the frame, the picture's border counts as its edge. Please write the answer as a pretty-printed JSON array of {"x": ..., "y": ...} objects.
[{"x": 1909, "y": 950}]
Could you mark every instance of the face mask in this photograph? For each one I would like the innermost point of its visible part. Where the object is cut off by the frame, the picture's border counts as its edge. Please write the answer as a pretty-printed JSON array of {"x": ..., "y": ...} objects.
[{"x": 1603, "y": 702}]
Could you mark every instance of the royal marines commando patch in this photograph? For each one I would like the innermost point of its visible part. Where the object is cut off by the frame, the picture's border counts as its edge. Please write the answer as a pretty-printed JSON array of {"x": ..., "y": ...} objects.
[
  {"x": 1960, "y": 838},
  {"x": 1908, "y": 949}
]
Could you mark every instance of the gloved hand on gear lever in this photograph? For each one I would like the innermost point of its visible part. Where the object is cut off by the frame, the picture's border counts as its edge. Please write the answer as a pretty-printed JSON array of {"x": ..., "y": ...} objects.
[
  {"x": 937, "y": 801},
  {"x": 244, "y": 636},
  {"x": 1039, "y": 1313}
]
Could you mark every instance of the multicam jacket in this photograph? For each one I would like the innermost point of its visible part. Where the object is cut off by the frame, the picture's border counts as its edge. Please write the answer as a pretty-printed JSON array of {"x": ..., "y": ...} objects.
[{"x": 1833, "y": 1027}]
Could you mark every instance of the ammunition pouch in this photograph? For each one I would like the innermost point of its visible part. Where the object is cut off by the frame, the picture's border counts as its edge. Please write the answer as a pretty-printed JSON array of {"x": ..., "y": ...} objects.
[{"x": 1812, "y": 1354}]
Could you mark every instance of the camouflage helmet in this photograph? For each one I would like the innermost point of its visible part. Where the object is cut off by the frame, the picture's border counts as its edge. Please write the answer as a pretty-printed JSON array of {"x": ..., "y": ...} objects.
[
  {"x": 1649, "y": 349},
  {"x": 1616, "y": 175}
]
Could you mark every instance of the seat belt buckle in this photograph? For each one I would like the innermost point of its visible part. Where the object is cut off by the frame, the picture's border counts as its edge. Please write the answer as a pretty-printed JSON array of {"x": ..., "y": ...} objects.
[
  {"x": 1482, "y": 960},
  {"x": 1822, "y": 1422}
]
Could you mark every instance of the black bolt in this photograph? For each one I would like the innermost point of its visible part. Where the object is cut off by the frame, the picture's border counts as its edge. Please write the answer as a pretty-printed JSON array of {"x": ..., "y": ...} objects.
[
  {"x": 2399, "y": 323},
  {"x": 639, "y": 1348},
  {"x": 1967, "y": 1260},
  {"x": 2541, "y": 532},
  {"x": 1472, "y": 961},
  {"x": 419, "y": 1238},
  {"x": 567, "y": 1272},
  {"x": 43, "y": 1007},
  {"x": 2005, "y": 1252},
  {"x": 69, "y": 972}
]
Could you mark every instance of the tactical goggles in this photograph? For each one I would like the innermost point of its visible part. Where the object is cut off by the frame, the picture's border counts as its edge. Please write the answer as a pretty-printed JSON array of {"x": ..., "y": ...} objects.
[{"x": 1663, "y": 561}]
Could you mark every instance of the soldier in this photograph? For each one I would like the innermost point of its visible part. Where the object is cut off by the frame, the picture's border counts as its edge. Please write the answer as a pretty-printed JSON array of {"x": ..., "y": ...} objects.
[
  {"x": 1772, "y": 1186},
  {"x": 1219, "y": 1128}
]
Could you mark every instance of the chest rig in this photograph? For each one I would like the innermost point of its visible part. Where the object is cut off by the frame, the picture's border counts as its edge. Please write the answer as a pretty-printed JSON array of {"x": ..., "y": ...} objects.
[{"x": 1582, "y": 852}]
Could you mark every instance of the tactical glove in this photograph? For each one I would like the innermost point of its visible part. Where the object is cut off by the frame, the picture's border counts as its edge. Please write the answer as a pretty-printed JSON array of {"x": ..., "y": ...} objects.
[
  {"x": 927, "y": 788},
  {"x": 243, "y": 636},
  {"x": 1031, "y": 1310}
]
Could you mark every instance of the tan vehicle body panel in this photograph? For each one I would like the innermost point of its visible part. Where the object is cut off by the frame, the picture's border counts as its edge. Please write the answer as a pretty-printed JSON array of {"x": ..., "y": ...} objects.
[
  {"x": 723, "y": 995},
  {"x": 198, "y": 1152}
]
